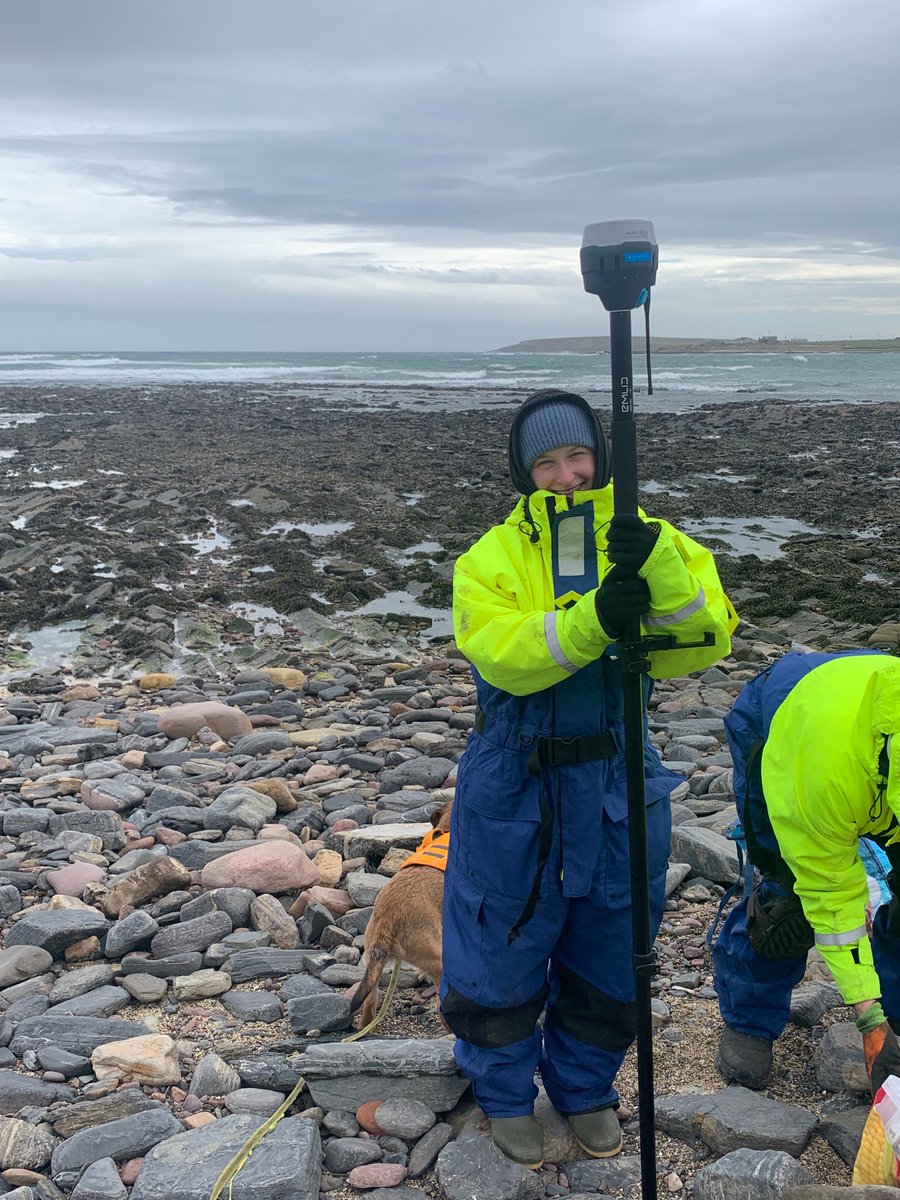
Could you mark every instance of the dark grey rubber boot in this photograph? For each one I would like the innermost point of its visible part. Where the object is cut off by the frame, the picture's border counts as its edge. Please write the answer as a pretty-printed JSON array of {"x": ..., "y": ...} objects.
[
  {"x": 743, "y": 1059},
  {"x": 521, "y": 1139},
  {"x": 599, "y": 1133}
]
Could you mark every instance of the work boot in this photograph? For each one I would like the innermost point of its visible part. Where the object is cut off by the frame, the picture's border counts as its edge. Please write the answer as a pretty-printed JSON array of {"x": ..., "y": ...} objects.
[
  {"x": 744, "y": 1059},
  {"x": 521, "y": 1139},
  {"x": 598, "y": 1133}
]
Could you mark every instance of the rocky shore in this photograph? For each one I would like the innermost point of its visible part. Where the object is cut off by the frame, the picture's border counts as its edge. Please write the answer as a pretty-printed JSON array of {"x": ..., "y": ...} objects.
[
  {"x": 197, "y": 811},
  {"x": 203, "y": 527}
]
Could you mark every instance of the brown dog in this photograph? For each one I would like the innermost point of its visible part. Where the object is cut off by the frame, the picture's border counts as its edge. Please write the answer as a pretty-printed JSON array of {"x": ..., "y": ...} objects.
[{"x": 406, "y": 924}]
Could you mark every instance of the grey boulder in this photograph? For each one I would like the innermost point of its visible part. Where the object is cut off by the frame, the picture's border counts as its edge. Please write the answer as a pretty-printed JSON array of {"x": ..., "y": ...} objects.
[
  {"x": 750, "y": 1175},
  {"x": 346, "y": 1075},
  {"x": 286, "y": 1165}
]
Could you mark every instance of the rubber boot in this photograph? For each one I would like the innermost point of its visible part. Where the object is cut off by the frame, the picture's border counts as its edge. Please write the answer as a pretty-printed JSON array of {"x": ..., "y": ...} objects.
[
  {"x": 598, "y": 1133},
  {"x": 743, "y": 1059},
  {"x": 521, "y": 1139}
]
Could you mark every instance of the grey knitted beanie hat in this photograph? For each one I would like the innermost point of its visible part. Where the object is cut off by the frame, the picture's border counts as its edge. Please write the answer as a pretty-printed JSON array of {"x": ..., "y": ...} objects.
[{"x": 550, "y": 425}]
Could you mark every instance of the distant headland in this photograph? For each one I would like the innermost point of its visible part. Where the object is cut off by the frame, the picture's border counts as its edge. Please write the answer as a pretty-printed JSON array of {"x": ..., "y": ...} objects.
[{"x": 670, "y": 345}]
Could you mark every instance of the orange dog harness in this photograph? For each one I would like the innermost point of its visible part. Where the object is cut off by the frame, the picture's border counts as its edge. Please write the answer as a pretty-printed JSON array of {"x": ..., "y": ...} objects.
[{"x": 431, "y": 851}]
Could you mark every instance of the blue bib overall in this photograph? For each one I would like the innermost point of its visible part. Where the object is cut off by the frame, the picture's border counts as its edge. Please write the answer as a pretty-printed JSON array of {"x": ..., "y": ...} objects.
[
  {"x": 537, "y": 903},
  {"x": 755, "y": 992}
]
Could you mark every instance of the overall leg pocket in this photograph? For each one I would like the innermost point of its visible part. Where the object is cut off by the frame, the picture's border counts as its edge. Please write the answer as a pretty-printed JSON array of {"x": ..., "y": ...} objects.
[
  {"x": 464, "y": 964},
  {"x": 497, "y": 822},
  {"x": 614, "y": 877}
]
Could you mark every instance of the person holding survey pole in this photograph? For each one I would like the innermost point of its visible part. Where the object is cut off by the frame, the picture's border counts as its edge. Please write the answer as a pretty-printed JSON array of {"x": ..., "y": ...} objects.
[{"x": 537, "y": 911}]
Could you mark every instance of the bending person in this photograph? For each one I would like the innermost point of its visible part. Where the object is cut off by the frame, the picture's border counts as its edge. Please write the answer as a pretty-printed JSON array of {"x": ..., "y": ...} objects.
[
  {"x": 816, "y": 766},
  {"x": 537, "y": 906}
]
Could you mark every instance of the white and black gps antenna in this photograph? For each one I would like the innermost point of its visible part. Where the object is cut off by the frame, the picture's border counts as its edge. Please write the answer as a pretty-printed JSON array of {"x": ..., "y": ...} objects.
[{"x": 618, "y": 263}]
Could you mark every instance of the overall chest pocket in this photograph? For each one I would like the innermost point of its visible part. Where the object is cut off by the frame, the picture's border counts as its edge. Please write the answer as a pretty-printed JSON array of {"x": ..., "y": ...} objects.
[{"x": 497, "y": 820}]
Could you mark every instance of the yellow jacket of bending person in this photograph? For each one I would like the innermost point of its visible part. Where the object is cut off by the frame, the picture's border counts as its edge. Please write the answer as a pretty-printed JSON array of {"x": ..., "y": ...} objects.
[
  {"x": 823, "y": 775},
  {"x": 523, "y": 596}
]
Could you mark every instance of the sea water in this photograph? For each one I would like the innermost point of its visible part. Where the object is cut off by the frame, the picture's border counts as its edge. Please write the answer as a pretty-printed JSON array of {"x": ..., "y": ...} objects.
[{"x": 474, "y": 379}]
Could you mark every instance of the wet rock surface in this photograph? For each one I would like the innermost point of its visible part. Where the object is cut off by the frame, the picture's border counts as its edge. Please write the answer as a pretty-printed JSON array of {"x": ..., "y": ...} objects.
[
  {"x": 197, "y": 812},
  {"x": 375, "y": 532}
]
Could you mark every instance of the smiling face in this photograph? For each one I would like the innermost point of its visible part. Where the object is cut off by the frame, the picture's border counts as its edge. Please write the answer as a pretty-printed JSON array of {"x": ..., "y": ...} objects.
[{"x": 566, "y": 470}]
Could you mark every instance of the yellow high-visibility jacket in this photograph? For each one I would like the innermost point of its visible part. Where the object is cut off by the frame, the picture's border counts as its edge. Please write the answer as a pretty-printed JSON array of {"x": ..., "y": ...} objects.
[
  {"x": 824, "y": 790},
  {"x": 523, "y": 638}
]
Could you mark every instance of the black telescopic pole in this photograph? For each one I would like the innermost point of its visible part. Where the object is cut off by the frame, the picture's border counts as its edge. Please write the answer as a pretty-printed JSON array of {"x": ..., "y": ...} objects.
[
  {"x": 634, "y": 665},
  {"x": 618, "y": 264}
]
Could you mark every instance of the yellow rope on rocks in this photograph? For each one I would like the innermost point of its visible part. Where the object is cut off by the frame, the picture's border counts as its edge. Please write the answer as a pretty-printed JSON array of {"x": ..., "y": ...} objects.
[
  {"x": 240, "y": 1159},
  {"x": 382, "y": 1012}
]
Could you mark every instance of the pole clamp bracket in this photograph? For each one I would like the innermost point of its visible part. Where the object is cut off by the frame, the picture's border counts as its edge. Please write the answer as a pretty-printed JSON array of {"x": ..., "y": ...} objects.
[{"x": 645, "y": 964}]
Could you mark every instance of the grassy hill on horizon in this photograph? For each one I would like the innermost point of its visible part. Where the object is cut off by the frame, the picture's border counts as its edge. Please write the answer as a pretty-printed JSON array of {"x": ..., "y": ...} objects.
[{"x": 671, "y": 345}]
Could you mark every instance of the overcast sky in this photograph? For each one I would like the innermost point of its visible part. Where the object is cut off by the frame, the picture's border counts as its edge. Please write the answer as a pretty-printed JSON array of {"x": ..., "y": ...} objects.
[{"x": 411, "y": 175}]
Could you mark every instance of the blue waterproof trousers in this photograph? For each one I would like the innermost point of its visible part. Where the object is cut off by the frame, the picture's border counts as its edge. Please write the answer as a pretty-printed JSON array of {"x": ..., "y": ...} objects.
[
  {"x": 755, "y": 992},
  {"x": 572, "y": 956}
]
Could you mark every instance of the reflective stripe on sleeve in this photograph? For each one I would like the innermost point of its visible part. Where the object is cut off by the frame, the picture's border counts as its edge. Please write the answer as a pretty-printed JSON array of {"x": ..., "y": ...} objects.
[
  {"x": 553, "y": 643},
  {"x": 681, "y": 614},
  {"x": 841, "y": 939}
]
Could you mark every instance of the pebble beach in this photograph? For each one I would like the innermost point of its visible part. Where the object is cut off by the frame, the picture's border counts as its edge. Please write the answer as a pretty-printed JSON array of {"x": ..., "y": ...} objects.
[{"x": 230, "y": 705}]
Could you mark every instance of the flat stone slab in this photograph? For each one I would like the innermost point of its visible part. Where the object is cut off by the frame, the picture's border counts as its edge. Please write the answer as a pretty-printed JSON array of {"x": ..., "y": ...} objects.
[
  {"x": 378, "y": 839},
  {"x": 264, "y": 963},
  {"x": 750, "y": 1175},
  {"x": 21, "y": 1091},
  {"x": 736, "y": 1118},
  {"x": 68, "y": 1119},
  {"x": 347, "y": 1075},
  {"x": 709, "y": 854},
  {"x": 99, "y": 1002},
  {"x": 286, "y": 1165},
  {"x": 23, "y": 962},
  {"x": 843, "y": 1131},
  {"x": 828, "y": 1191},
  {"x": 53, "y": 931},
  {"x": 267, "y": 1070},
  {"x": 127, "y": 1137},
  {"x": 473, "y": 1166},
  {"x": 78, "y": 1035}
]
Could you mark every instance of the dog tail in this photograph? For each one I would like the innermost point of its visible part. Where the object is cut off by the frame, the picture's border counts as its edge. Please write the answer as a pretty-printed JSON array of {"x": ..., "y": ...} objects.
[{"x": 376, "y": 957}]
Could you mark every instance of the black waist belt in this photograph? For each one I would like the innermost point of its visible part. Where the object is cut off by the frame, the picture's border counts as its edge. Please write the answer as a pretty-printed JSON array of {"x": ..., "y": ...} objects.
[{"x": 563, "y": 751}]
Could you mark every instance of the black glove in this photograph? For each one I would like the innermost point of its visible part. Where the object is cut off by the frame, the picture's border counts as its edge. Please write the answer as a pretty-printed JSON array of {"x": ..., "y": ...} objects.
[
  {"x": 621, "y": 596},
  {"x": 629, "y": 540}
]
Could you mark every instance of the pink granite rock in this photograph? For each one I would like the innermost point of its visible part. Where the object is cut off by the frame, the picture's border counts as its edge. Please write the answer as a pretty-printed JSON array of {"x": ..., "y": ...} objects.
[
  {"x": 270, "y": 866},
  {"x": 320, "y": 773},
  {"x": 377, "y": 1175},
  {"x": 129, "y": 1171},
  {"x": 183, "y": 720},
  {"x": 72, "y": 879},
  {"x": 336, "y": 900},
  {"x": 278, "y": 833},
  {"x": 169, "y": 837}
]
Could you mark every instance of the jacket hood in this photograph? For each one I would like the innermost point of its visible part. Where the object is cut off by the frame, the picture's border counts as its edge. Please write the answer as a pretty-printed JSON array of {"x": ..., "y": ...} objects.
[{"x": 519, "y": 472}]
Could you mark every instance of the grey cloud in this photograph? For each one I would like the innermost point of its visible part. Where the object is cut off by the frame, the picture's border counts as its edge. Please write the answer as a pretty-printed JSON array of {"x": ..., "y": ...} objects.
[
  {"x": 740, "y": 126},
  {"x": 63, "y": 254}
]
